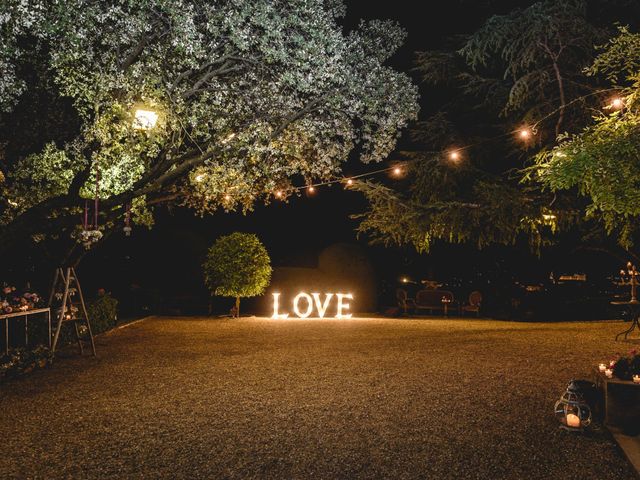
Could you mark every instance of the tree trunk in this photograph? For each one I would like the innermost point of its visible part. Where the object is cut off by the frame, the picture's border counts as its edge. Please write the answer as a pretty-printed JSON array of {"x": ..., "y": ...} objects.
[
  {"x": 237, "y": 307},
  {"x": 563, "y": 100}
]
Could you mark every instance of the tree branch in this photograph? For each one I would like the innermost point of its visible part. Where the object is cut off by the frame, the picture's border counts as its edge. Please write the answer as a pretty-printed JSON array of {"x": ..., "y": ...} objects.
[{"x": 308, "y": 108}]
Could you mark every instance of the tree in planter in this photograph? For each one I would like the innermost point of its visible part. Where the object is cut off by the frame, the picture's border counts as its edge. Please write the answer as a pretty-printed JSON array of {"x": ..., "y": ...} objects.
[
  {"x": 237, "y": 265},
  {"x": 248, "y": 94}
]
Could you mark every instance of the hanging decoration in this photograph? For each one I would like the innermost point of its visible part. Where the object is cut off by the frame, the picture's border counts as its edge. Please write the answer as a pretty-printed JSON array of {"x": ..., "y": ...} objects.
[
  {"x": 127, "y": 220},
  {"x": 90, "y": 233}
]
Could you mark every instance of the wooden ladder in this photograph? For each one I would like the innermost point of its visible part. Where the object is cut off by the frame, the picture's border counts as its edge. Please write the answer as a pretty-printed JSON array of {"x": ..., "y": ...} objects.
[{"x": 70, "y": 311}]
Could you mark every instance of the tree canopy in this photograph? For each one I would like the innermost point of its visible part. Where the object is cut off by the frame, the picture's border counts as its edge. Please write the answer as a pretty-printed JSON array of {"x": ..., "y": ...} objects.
[
  {"x": 248, "y": 96},
  {"x": 510, "y": 88},
  {"x": 603, "y": 161},
  {"x": 237, "y": 265}
]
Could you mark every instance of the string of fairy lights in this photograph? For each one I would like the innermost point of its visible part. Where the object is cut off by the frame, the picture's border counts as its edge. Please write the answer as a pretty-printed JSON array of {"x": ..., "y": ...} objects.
[{"x": 454, "y": 154}]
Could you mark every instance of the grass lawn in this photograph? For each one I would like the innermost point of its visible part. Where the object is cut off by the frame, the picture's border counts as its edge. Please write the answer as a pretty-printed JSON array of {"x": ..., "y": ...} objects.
[{"x": 255, "y": 398}]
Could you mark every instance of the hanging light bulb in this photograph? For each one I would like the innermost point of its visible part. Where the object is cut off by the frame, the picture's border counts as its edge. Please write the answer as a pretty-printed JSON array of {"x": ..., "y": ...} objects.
[
  {"x": 311, "y": 189},
  {"x": 617, "y": 103},
  {"x": 278, "y": 194},
  {"x": 397, "y": 171},
  {"x": 227, "y": 197},
  {"x": 349, "y": 182},
  {"x": 145, "y": 119},
  {"x": 454, "y": 155},
  {"x": 525, "y": 133}
]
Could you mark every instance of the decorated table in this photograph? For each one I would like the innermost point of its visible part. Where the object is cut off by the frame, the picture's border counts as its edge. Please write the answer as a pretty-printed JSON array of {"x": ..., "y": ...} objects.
[{"x": 24, "y": 313}]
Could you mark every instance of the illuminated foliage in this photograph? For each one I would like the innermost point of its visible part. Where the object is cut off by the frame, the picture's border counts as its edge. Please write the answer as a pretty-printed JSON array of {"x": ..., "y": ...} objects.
[
  {"x": 248, "y": 94},
  {"x": 238, "y": 266},
  {"x": 603, "y": 161}
]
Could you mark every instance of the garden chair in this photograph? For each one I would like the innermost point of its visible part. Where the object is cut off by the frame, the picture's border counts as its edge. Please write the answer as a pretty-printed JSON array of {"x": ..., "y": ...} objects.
[
  {"x": 475, "y": 301},
  {"x": 404, "y": 302}
]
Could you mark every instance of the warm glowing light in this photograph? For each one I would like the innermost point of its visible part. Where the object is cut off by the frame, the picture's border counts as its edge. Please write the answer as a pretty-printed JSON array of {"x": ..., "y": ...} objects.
[
  {"x": 278, "y": 194},
  {"x": 227, "y": 197},
  {"x": 454, "y": 156},
  {"x": 199, "y": 177},
  {"x": 276, "y": 305},
  {"x": 311, "y": 189},
  {"x": 525, "y": 133},
  {"x": 548, "y": 216},
  {"x": 349, "y": 181},
  {"x": 404, "y": 280},
  {"x": 573, "y": 420},
  {"x": 304, "y": 304},
  {"x": 145, "y": 119},
  {"x": 343, "y": 306},
  {"x": 617, "y": 103},
  {"x": 296, "y": 305},
  {"x": 397, "y": 171}
]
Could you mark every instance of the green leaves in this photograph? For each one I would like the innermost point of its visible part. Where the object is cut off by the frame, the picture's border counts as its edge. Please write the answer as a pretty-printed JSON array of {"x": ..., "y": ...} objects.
[
  {"x": 516, "y": 69},
  {"x": 525, "y": 46},
  {"x": 603, "y": 161},
  {"x": 249, "y": 93},
  {"x": 237, "y": 265}
]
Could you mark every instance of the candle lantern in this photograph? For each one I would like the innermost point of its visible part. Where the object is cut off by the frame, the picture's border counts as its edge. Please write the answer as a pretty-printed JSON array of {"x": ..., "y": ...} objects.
[{"x": 572, "y": 410}]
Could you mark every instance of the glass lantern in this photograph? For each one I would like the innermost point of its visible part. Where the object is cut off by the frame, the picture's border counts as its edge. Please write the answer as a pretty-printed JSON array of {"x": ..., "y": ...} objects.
[{"x": 572, "y": 410}]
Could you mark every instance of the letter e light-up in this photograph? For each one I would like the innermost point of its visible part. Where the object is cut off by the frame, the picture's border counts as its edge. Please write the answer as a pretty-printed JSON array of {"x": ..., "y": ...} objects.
[{"x": 343, "y": 306}]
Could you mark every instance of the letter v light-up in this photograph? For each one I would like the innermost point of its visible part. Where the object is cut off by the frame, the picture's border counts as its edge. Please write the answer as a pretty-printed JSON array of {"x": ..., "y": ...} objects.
[{"x": 322, "y": 307}]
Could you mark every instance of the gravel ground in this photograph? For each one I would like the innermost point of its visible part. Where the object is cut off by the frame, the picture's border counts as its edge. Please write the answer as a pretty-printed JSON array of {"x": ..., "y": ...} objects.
[{"x": 191, "y": 398}]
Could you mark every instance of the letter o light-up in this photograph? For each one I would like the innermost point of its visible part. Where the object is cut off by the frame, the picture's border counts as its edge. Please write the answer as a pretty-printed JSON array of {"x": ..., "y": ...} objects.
[{"x": 296, "y": 305}]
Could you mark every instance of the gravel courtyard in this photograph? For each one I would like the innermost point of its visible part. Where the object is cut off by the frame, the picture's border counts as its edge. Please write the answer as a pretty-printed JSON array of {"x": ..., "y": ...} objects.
[{"x": 205, "y": 398}]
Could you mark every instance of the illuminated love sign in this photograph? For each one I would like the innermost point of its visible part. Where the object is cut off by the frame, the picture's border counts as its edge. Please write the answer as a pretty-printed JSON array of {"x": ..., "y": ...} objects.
[{"x": 304, "y": 304}]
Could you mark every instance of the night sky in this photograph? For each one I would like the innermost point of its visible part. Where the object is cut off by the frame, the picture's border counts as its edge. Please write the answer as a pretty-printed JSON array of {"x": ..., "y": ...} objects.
[{"x": 167, "y": 260}]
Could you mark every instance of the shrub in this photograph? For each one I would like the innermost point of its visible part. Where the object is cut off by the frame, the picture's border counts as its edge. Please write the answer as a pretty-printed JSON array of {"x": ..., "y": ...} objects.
[
  {"x": 237, "y": 265},
  {"x": 103, "y": 313}
]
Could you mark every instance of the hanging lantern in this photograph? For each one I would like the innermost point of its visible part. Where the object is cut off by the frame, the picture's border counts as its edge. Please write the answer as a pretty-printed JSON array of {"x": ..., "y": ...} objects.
[{"x": 572, "y": 410}]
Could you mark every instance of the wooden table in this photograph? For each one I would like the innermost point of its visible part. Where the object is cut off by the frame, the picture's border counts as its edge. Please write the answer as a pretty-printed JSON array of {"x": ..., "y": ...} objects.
[
  {"x": 601, "y": 380},
  {"x": 34, "y": 311},
  {"x": 635, "y": 314}
]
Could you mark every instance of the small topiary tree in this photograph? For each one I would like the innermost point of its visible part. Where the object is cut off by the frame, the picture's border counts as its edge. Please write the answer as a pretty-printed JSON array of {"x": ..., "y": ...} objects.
[{"x": 237, "y": 265}]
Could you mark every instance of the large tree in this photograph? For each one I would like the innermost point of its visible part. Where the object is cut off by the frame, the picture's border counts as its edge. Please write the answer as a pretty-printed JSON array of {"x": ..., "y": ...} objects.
[
  {"x": 518, "y": 71},
  {"x": 249, "y": 94},
  {"x": 602, "y": 163}
]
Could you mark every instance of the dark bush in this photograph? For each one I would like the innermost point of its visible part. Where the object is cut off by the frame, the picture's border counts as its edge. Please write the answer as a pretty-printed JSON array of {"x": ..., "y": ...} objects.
[{"x": 103, "y": 313}]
